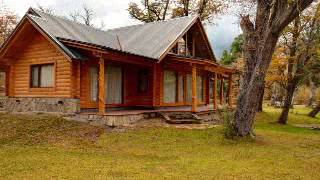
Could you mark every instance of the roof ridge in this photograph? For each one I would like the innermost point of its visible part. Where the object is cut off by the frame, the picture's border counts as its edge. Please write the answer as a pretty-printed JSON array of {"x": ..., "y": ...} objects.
[
  {"x": 141, "y": 24},
  {"x": 66, "y": 19},
  {"x": 111, "y": 29}
]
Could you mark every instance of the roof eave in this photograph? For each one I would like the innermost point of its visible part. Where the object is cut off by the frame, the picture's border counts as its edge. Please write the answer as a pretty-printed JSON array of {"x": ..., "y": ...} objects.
[
  {"x": 102, "y": 48},
  {"x": 8, "y": 40}
]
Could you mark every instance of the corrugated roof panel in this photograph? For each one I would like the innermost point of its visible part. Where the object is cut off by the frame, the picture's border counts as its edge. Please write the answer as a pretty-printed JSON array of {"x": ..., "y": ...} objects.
[{"x": 149, "y": 40}]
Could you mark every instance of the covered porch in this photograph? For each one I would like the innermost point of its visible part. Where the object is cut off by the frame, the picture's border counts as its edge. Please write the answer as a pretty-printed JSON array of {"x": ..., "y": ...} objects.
[{"x": 177, "y": 84}]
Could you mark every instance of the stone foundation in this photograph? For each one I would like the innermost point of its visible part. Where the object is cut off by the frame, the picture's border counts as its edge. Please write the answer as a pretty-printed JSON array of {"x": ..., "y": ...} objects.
[
  {"x": 56, "y": 105},
  {"x": 109, "y": 120}
]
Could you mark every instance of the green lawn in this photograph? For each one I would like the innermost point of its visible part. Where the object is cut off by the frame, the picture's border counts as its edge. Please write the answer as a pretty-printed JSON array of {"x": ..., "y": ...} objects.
[{"x": 45, "y": 147}]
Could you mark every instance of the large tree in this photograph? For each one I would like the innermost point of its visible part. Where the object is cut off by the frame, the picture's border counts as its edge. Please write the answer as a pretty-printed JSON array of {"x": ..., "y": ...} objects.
[
  {"x": 276, "y": 79},
  {"x": 8, "y": 21},
  {"x": 314, "y": 74},
  {"x": 155, "y": 10},
  {"x": 302, "y": 45},
  {"x": 261, "y": 34}
]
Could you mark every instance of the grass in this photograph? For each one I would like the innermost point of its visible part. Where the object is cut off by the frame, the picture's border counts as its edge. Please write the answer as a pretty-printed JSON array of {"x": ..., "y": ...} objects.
[{"x": 46, "y": 147}]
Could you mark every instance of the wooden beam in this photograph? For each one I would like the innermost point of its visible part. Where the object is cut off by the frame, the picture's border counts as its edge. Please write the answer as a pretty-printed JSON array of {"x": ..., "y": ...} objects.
[
  {"x": 102, "y": 104},
  {"x": 215, "y": 85},
  {"x": 193, "y": 46},
  {"x": 194, "y": 89},
  {"x": 230, "y": 91},
  {"x": 221, "y": 91}
]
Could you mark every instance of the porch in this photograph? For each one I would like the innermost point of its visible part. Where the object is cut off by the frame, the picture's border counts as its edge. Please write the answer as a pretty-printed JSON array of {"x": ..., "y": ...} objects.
[
  {"x": 177, "y": 109},
  {"x": 176, "y": 84},
  {"x": 172, "y": 115}
]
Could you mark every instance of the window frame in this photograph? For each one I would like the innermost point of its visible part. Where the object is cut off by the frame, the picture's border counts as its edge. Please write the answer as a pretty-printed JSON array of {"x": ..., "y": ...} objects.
[
  {"x": 39, "y": 65},
  {"x": 146, "y": 74}
]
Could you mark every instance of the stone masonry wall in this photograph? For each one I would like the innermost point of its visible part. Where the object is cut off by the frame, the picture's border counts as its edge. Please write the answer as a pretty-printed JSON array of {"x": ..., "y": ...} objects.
[{"x": 58, "y": 105}]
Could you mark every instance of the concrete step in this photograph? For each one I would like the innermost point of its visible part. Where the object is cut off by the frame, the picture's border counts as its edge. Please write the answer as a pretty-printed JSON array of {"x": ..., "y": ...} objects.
[
  {"x": 181, "y": 118},
  {"x": 183, "y": 121}
]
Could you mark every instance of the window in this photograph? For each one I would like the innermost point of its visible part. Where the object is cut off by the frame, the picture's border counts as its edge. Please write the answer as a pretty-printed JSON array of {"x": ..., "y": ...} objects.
[
  {"x": 42, "y": 76},
  {"x": 170, "y": 87},
  {"x": 200, "y": 96},
  {"x": 181, "y": 88},
  {"x": 113, "y": 81},
  {"x": 93, "y": 83},
  {"x": 142, "y": 81},
  {"x": 189, "y": 89},
  {"x": 200, "y": 88}
]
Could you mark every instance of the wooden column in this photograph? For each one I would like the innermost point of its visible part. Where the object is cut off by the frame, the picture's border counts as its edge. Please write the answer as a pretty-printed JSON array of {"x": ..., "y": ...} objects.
[
  {"x": 230, "y": 91},
  {"x": 102, "y": 103},
  {"x": 221, "y": 91},
  {"x": 215, "y": 85},
  {"x": 194, "y": 90}
]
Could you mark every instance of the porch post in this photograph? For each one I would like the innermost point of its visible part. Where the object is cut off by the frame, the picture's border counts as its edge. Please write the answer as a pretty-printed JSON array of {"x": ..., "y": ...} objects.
[
  {"x": 230, "y": 91},
  {"x": 102, "y": 103},
  {"x": 221, "y": 90},
  {"x": 215, "y": 85},
  {"x": 194, "y": 89}
]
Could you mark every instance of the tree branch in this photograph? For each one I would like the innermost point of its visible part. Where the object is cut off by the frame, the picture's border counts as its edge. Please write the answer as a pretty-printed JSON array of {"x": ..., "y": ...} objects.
[{"x": 290, "y": 13}]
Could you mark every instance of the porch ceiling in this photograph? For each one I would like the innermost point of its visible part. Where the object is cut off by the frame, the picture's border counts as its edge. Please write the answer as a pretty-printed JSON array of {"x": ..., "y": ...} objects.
[{"x": 205, "y": 64}]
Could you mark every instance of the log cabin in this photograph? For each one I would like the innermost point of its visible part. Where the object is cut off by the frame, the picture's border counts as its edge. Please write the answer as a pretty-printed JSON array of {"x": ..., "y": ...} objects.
[{"x": 53, "y": 64}]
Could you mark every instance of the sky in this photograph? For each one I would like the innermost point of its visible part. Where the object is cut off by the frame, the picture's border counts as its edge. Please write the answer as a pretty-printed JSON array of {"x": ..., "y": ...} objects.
[{"x": 114, "y": 14}]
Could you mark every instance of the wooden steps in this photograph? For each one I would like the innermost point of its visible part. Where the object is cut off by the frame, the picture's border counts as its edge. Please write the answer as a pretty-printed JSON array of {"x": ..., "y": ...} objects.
[{"x": 181, "y": 118}]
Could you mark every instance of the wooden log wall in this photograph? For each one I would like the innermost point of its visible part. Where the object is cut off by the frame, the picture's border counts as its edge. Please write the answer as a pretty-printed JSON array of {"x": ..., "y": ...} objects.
[{"x": 40, "y": 51}]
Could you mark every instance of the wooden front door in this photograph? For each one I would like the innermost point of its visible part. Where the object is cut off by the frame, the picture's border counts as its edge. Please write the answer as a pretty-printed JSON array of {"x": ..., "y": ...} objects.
[{"x": 114, "y": 85}]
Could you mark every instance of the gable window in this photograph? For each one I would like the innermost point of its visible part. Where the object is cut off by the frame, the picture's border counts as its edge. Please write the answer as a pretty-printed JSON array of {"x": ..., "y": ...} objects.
[
  {"x": 142, "y": 81},
  {"x": 42, "y": 76}
]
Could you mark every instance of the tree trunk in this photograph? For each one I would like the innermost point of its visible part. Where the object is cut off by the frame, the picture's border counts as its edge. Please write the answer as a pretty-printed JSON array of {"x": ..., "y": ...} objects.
[
  {"x": 315, "y": 111},
  {"x": 313, "y": 92},
  {"x": 291, "y": 84},
  {"x": 287, "y": 103},
  {"x": 253, "y": 81},
  {"x": 260, "y": 39},
  {"x": 260, "y": 104}
]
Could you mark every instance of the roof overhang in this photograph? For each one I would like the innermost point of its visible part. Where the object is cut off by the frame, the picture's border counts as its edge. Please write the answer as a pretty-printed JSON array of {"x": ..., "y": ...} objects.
[
  {"x": 53, "y": 40},
  {"x": 195, "y": 20}
]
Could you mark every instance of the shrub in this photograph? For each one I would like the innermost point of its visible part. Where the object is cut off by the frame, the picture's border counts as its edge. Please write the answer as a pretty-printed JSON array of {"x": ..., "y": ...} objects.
[{"x": 228, "y": 124}]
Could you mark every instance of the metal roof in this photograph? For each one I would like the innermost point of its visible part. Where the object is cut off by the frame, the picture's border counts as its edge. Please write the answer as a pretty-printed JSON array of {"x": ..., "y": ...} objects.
[{"x": 150, "y": 40}]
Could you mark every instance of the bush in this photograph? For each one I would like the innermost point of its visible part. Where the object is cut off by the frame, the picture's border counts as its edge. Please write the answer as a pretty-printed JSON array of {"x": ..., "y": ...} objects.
[{"x": 228, "y": 124}]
